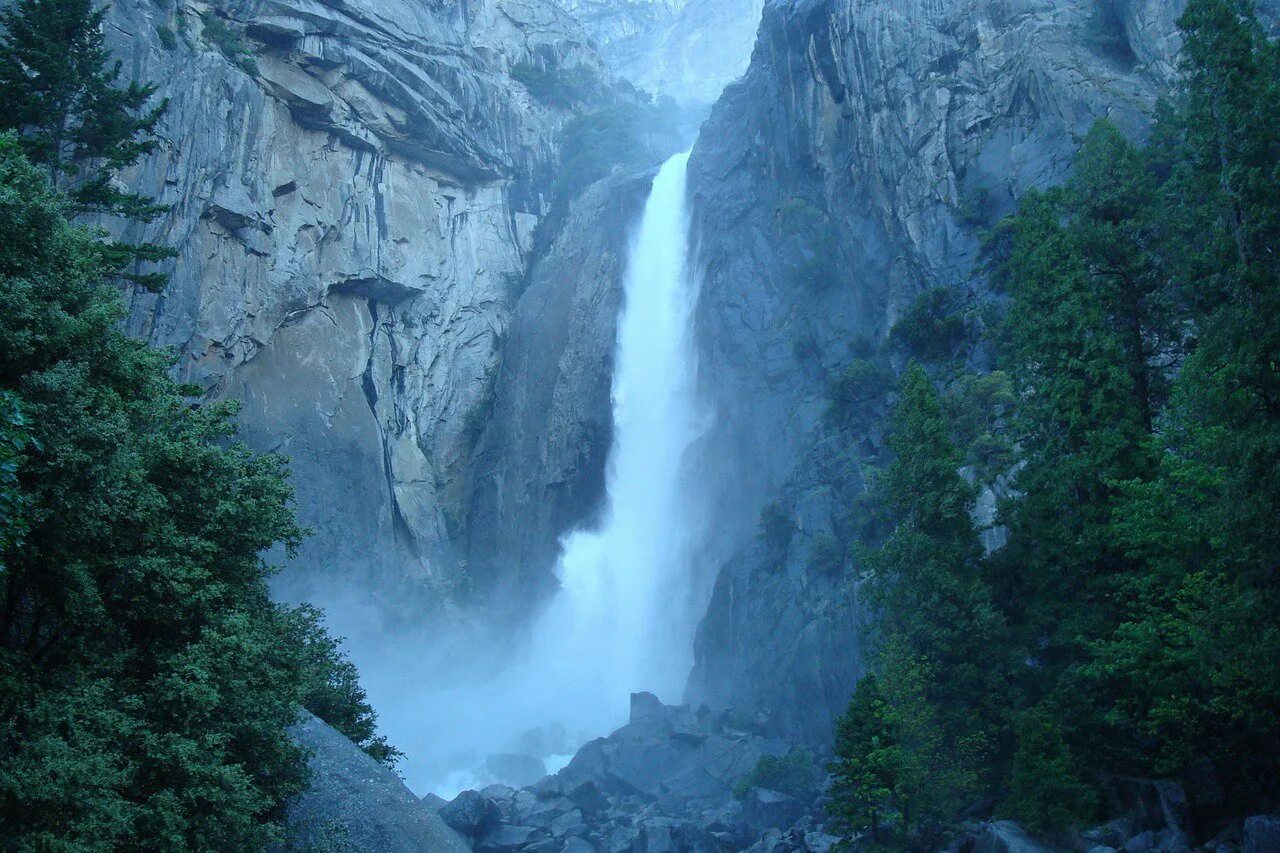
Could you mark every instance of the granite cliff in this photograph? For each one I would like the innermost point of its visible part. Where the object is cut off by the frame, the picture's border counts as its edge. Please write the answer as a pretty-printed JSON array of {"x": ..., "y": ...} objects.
[
  {"x": 354, "y": 191},
  {"x": 893, "y": 133}
]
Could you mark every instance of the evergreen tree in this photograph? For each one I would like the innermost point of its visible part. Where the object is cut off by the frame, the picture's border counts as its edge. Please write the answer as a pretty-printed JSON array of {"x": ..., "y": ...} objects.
[
  {"x": 928, "y": 578},
  {"x": 864, "y": 774},
  {"x": 146, "y": 680},
  {"x": 59, "y": 87},
  {"x": 1191, "y": 669}
]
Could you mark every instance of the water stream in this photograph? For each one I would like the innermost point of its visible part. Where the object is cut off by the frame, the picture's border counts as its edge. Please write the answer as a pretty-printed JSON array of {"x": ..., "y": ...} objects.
[{"x": 624, "y": 616}]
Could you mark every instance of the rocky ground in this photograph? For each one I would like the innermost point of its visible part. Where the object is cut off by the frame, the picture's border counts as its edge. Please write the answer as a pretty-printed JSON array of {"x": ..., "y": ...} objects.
[{"x": 670, "y": 781}]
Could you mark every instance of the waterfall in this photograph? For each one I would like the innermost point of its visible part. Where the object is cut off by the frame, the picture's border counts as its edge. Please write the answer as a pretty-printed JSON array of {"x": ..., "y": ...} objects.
[
  {"x": 624, "y": 616},
  {"x": 622, "y": 620}
]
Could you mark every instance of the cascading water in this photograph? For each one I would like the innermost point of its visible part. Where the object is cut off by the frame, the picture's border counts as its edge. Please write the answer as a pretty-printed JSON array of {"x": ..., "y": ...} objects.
[
  {"x": 623, "y": 620},
  {"x": 624, "y": 616}
]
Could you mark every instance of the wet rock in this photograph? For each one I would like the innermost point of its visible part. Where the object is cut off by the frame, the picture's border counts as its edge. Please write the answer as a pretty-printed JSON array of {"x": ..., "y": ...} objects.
[
  {"x": 763, "y": 809},
  {"x": 1005, "y": 836},
  {"x": 1161, "y": 841},
  {"x": 1112, "y": 834}
]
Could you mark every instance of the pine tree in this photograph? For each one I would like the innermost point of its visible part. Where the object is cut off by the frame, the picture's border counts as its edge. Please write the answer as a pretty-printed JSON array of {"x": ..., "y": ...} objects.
[
  {"x": 146, "y": 679},
  {"x": 865, "y": 771},
  {"x": 59, "y": 87},
  {"x": 928, "y": 578}
]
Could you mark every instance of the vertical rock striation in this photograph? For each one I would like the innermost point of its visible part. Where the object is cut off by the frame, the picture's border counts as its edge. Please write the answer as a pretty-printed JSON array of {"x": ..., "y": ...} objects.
[
  {"x": 895, "y": 130},
  {"x": 354, "y": 189},
  {"x": 687, "y": 49}
]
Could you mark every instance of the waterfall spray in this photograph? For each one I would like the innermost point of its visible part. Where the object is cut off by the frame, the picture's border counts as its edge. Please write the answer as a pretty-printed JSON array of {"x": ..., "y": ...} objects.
[
  {"x": 624, "y": 616},
  {"x": 622, "y": 621}
]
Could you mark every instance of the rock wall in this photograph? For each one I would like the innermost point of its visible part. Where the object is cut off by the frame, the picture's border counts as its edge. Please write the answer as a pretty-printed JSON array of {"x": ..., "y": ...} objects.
[
  {"x": 354, "y": 190},
  {"x": 540, "y": 464},
  {"x": 897, "y": 130},
  {"x": 687, "y": 49}
]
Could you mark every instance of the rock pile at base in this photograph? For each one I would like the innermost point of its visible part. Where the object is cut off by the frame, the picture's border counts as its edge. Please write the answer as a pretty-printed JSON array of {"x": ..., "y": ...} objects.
[{"x": 660, "y": 784}]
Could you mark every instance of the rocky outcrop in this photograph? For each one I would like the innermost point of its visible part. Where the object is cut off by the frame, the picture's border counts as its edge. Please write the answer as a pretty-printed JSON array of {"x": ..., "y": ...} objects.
[
  {"x": 540, "y": 462},
  {"x": 355, "y": 803},
  {"x": 853, "y": 167},
  {"x": 663, "y": 783},
  {"x": 354, "y": 189}
]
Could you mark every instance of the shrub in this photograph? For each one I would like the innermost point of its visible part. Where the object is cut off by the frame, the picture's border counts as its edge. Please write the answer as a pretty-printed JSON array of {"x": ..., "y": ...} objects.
[
  {"x": 228, "y": 41},
  {"x": 558, "y": 86},
  {"x": 168, "y": 38},
  {"x": 934, "y": 327},
  {"x": 776, "y": 529},
  {"x": 795, "y": 774},
  {"x": 826, "y": 555},
  {"x": 857, "y": 392}
]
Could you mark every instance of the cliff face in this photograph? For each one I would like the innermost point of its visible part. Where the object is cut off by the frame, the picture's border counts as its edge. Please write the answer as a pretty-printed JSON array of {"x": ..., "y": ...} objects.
[
  {"x": 540, "y": 465},
  {"x": 354, "y": 187},
  {"x": 687, "y": 49},
  {"x": 893, "y": 130}
]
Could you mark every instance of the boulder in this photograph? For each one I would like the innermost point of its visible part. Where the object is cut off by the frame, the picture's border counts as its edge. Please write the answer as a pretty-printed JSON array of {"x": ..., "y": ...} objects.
[
  {"x": 1261, "y": 834},
  {"x": 470, "y": 813},
  {"x": 763, "y": 809},
  {"x": 1162, "y": 841},
  {"x": 358, "y": 802},
  {"x": 1112, "y": 834},
  {"x": 504, "y": 838},
  {"x": 1005, "y": 836}
]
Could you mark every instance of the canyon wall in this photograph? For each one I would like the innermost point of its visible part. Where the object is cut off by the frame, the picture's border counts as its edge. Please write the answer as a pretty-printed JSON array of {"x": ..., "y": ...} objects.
[
  {"x": 354, "y": 191},
  {"x": 895, "y": 132}
]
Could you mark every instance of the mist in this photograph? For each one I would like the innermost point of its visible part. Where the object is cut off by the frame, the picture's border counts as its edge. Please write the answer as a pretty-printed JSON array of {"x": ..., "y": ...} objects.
[{"x": 476, "y": 712}]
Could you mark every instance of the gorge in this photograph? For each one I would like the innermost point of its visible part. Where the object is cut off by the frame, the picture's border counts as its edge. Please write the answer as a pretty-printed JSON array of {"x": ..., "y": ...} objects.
[{"x": 588, "y": 329}]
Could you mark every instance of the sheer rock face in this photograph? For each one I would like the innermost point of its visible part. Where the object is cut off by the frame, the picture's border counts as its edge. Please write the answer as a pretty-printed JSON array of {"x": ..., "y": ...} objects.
[
  {"x": 354, "y": 189},
  {"x": 687, "y": 49},
  {"x": 905, "y": 127},
  {"x": 540, "y": 464}
]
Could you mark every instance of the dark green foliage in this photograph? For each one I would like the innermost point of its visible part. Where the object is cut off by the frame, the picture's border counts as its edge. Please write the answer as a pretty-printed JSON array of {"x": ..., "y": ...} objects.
[
  {"x": 146, "y": 680},
  {"x": 168, "y": 38},
  {"x": 978, "y": 408},
  {"x": 934, "y": 327},
  {"x": 858, "y": 392},
  {"x": 331, "y": 684},
  {"x": 1131, "y": 625},
  {"x": 865, "y": 773},
  {"x": 59, "y": 87},
  {"x": 826, "y": 555},
  {"x": 14, "y": 439},
  {"x": 940, "y": 639},
  {"x": 228, "y": 41},
  {"x": 557, "y": 86},
  {"x": 793, "y": 773},
  {"x": 1048, "y": 787}
]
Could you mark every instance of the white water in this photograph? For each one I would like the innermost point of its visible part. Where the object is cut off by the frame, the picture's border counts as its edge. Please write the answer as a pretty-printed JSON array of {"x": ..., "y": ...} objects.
[
  {"x": 624, "y": 616},
  {"x": 623, "y": 619}
]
